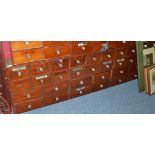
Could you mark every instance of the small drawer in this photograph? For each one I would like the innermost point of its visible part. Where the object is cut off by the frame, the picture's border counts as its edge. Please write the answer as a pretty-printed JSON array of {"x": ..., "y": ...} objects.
[
  {"x": 20, "y": 97},
  {"x": 18, "y": 72},
  {"x": 116, "y": 80},
  {"x": 102, "y": 77},
  {"x": 60, "y": 76},
  {"x": 95, "y": 68},
  {"x": 22, "y": 45},
  {"x": 59, "y": 64},
  {"x": 81, "y": 82},
  {"x": 39, "y": 68},
  {"x": 100, "y": 85},
  {"x": 27, "y": 56},
  {"x": 81, "y": 47},
  {"x": 106, "y": 66},
  {"x": 94, "y": 58},
  {"x": 123, "y": 62},
  {"x": 79, "y": 72},
  {"x": 120, "y": 72},
  {"x": 56, "y": 51},
  {"x": 132, "y": 64},
  {"x": 133, "y": 75},
  {"x": 122, "y": 44},
  {"x": 20, "y": 85},
  {"x": 59, "y": 97},
  {"x": 50, "y": 43},
  {"x": 79, "y": 91},
  {"x": 121, "y": 53},
  {"x": 132, "y": 44},
  {"x": 77, "y": 61},
  {"x": 108, "y": 55},
  {"x": 131, "y": 52},
  {"x": 41, "y": 80},
  {"x": 29, "y": 105}
]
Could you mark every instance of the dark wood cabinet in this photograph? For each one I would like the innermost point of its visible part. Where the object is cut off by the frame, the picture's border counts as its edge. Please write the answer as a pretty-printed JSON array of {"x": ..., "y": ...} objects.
[{"x": 34, "y": 74}]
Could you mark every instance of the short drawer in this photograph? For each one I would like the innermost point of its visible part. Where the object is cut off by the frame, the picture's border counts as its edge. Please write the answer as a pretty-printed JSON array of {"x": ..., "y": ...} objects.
[
  {"x": 18, "y": 72},
  {"x": 22, "y": 45},
  {"x": 50, "y": 43},
  {"x": 60, "y": 76},
  {"x": 41, "y": 80},
  {"x": 132, "y": 62},
  {"x": 102, "y": 77},
  {"x": 56, "y": 51},
  {"x": 120, "y": 71},
  {"x": 108, "y": 55},
  {"x": 94, "y": 68},
  {"x": 77, "y": 61},
  {"x": 59, "y": 64},
  {"x": 93, "y": 58},
  {"x": 81, "y": 47},
  {"x": 133, "y": 75},
  {"x": 20, "y": 85},
  {"x": 20, "y": 97},
  {"x": 100, "y": 85},
  {"x": 81, "y": 82},
  {"x": 79, "y": 91},
  {"x": 121, "y": 53},
  {"x": 122, "y": 62},
  {"x": 116, "y": 80},
  {"x": 131, "y": 52},
  {"x": 27, "y": 56},
  {"x": 29, "y": 105},
  {"x": 122, "y": 44},
  {"x": 79, "y": 72},
  {"x": 39, "y": 68},
  {"x": 106, "y": 66}
]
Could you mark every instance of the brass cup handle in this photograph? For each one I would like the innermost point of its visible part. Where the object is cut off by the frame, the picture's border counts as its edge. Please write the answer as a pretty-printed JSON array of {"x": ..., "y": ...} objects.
[{"x": 19, "y": 73}]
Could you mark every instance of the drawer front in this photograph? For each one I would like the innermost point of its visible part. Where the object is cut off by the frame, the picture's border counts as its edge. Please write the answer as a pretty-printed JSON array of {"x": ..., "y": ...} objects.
[
  {"x": 102, "y": 77},
  {"x": 56, "y": 51},
  {"x": 116, "y": 80},
  {"x": 94, "y": 58},
  {"x": 50, "y": 43},
  {"x": 131, "y": 52},
  {"x": 81, "y": 82},
  {"x": 133, "y": 75},
  {"x": 20, "y": 85},
  {"x": 27, "y": 56},
  {"x": 121, "y": 53},
  {"x": 29, "y": 105},
  {"x": 79, "y": 91},
  {"x": 82, "y": 47},
  {"x": 39, "y": 68},
  {"x": 60, "y": 76},
  {"x": 41, "y": 80},
  {"x": 95, "y": 68},
  {"x": 108, "y": 55},
  {"x": 106, "y": 66},
  {"x": 77, "y": 61},
  {"x": 132, "y": 62},
  {"x": 123, "y": 62},
  {"x": 18, "y": 72},
  {"x": 59, "y": 64},
  {"x": 20, "y": 97},
  {"x": 79, "y": 72},
  {"x": 61, "y": 96},
  {"x": 100, "y": 85},
  {"x": 122, "y": 44},
  {"x": 120, "y": 72},
  {"x": 22, "y": 45}
]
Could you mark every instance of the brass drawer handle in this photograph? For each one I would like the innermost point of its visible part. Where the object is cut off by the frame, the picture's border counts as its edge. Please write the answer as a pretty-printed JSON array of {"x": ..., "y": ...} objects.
[
  {"x": 121, "y": 72},
  {"x": 56, "y": 89},
  {"x": 60, "y": 77},
  {"x": 81, "y": 82},
  {"x": 41, "y": 69},
  {"x": 94, "y": 59},
  {"x": 27, "y": 43},
  {"x": 101, "y": 85},
  {"x": 78, "y": 61},
  {"x": 133, "y": 51},
  {"x": 19, "y": 73},
  {"x": 83, "y": 48},
  {"x": 122, "y": 53},
  {"x": 107, "y": 66},
  {"x": 93, "y": 69},
  {"x": 120, "y": 81},
  {"x": 29, "y": 106},
  {"x": 0, "y": 86},
  {"x": 60, "y": 65},
  {"x": 135, "y": 75},
  {"x": 109, "y": 56},
  {"x": 28, "y": 96},
  {"x": 131, "y": 60},
  {"x": 57, "y": 99},
  {"x": 58, "y": 52},
  {"x": 77, "y": 73},
  {"x": 81, "y": 92},
  {"x": 120, "y": 63},
  {"x": 103, "y": 77}
]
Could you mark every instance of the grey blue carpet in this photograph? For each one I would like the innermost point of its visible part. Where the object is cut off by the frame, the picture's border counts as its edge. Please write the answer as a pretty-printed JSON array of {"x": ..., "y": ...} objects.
[{"x": 121, "y": 99}]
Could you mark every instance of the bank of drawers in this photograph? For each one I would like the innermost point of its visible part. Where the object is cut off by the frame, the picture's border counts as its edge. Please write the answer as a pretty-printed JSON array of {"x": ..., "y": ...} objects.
[{"x": 48, "y": 72}]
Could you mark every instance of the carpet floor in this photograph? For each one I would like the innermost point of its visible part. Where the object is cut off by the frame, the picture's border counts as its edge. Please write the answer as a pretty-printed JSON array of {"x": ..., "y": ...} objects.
[{"x": 121, "y": 99}]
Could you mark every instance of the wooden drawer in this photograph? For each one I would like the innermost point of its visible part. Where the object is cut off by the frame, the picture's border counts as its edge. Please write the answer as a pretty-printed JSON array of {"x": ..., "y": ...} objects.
[
  {"x": 59, "y": 64},
  {"x": 132, "y": 64},
  {"x": 122, "y": 44},
  {"x": 22, "y": 45},
  {"x": 41, "y": 80},
  {"x": 123, "y": 62},
  {"x": 18, "y": 72},
  {"x": 108, "y": 55},
  {"x": 79, "y": 91},
  {"x": 56, "y": 51},
  {"x": 95, "y": 68},
  {"x": 77, "y": 61},
  {"x": 29, "y": 105},
  {"x": 81, "y": 82},
  {"x": 100, "y": 85},
  {"x": 102, "y": 77},
  {"x": 39, "y": 68},
  {"x": 61, "y": 96},
  {"x": 121, "y": 53},
  {"x": 131, "y": 52},
  {"x": 79, "y": 72},
  {"x": 106, "y": 66},
  {"x": 20, "y": 85},
  {"x": 133, "y": 75},
  {"x": 81, "y": 47},
  {"x": 94, "y": 58},
  {"x": 20, "y": 97},
  {"x": 27, "y": 56},
  {"x": 50, "y": 43},
  {"x": 116, "y": 80},
  {"x": 120, "y": 72},
  {"x": 60, "y": 76}
]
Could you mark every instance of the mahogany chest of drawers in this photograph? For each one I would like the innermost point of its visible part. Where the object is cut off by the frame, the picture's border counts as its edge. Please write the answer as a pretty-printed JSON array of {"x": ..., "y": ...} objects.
[{"x": 34, "y": 74}]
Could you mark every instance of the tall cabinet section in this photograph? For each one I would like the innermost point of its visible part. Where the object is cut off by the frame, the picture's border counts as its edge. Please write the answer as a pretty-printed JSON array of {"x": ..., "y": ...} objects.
[{"x": 41, "y": 73}]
